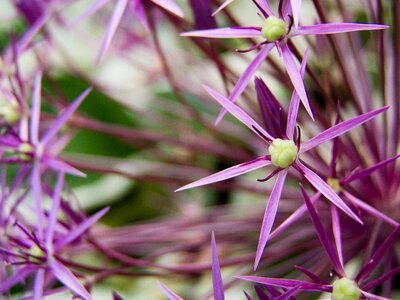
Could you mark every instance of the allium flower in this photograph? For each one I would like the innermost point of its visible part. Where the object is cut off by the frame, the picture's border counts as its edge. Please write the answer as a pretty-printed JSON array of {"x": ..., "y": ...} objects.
[
  {"x": 276, "y": 31},
  {"x": 284, "y": 152}
]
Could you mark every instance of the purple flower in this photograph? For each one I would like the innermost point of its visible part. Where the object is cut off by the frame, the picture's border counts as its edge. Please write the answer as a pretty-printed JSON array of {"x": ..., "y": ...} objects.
[{"x": 276, "y": 31}]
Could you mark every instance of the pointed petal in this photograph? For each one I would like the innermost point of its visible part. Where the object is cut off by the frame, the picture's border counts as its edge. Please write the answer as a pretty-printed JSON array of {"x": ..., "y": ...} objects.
[
  {"x": 170, "y": 294},
  {"x": 269, "y": 215},
  {"x": 295, "y": 102},
  {"x": 229, "y": 173},
  {"x": 80, "y": 229},
  {"x": 60, "y": 166},
  {"x": 18, "y": 277},
  {"x": 339, "y": 129},
  {"x": 238, "y": 113},
  {"x": 36, "y": 185},
  {"x": 295, "y": 77},
  {"x": 370, "y": 296},
  {"x": 68, "y": 279},
  {"x": 63, "y": 118},
  {"x": 378, "y": 281},
  {"x": 246, "y": 77},
  {"x": 288, "y": 283},
  {"x": 264, "y": 6},
  {"x": 222, "y": 6},
  {"x": 38, "y": 286},
  {"x": 216, "y": 272},
  {"x": 296, "y": 6},
  {"x": 170, "y": 6},
  {"x": 95, "y": 6},
  {"x": 222, "y": 33},
  {"x": 52, "y": 219},
  {"x": 35, "y": 111},
  {"x": 332, "y": 28},
  {"x": 112, "y": 27},
  {"x": 323, "y": 235},
  {"x": 337, "y": 232},
  {"x": 288, "y": 294},
  {"x": 325, "y": 190}
]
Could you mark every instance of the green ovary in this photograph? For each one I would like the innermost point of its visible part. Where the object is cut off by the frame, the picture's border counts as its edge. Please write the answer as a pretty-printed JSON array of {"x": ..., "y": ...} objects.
[
  {"x": 283, "y": 152},
  {"x": 273, "y": 29},
  {"x": 345, "y": 289},
  {"x": 9, "y": 112}
]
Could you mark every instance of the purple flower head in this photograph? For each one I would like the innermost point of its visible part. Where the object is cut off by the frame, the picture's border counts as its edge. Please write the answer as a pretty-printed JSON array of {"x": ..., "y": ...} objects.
[{"x": 276, "y": 31}]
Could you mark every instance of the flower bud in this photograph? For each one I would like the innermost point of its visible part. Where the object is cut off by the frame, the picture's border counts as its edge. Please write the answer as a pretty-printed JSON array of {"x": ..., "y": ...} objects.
[
  {"x": 9, "y": 112},
  {"x": 24, "y": 150},
  {"x": 283, "y": 152},
  {"x": 345, "y": 289},
  {"x": 273, "y": 29}
]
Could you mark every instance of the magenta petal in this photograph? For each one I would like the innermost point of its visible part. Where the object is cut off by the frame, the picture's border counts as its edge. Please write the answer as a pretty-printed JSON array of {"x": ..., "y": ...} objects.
[
  {"x": 95, "y": 6},
  {"x": 80, "y": 229},
  {"x": 332, "y": 28},
  {"x": 339, "y": 129},
  {"x": 170, "y": 6},
  {"x": 216, "y": 272},
  {"x": 295, "y": 77},
  {"x": 52, "y": 219},
  {"x": 264, "y": 5},
  {"x": 222, "y": 6},
  {"x": 170, "y": 294},
  {"x": 325, "y": 190},
  {"x": 323, "y": 235},
  {"x": 68, "y": 279},
  {"x": 38, "y": 286},
  {"x": 37, "y": 197},
  {"x": 295, "y": 102},
  {"x": 238, "y": 113},
  {"x": 288, "y": 294},
  {"x": 229, "y": 173},
  {"x": 60, "y": 166},
  {"x": 63, "y": 118},
  {"x": 18, "y": 277},
  {"x": 35, "y": 111},
  {"x": 269, "y": 215},
  {"x": 370, "y": 296},
  {"x": 246, "y": 77},
  {"x": 288, "y": 283},
  {"x": 296, "y": 5},
  {"x": 221, "y": 33},
  {"x": 112, "y": 27}
]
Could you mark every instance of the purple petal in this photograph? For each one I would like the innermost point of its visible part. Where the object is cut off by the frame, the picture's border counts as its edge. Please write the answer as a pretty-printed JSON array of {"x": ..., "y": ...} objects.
[
  {"x": 138, "y": 8},
  {"x": 222, "y": 6},
  {"x": 170, "y": 294},
  {"x": 35, "y": 111},
  {"x": 295, "y": 102},
  {"x": 246, "y": 77},
  {"x": 95, "y": 6},
  {"x": 221, "y": 33},
  {"x": 269, "y": 215},
  {"x": 36, "y": 185},
  {"x": 79, "y": 230},
  {"x": 296, "y": 5},
  {"x": 229, "y": 173},
  {"x": 287, "y": 295},
  {"x": 264, "y": 6},
  {"x": 332, "y": 28},
  {"x": 38, "y": 286},
  {"x": 339, "y": 129},
  {"x": 378, "y": 281},
  {"x": 337, "y": 232},
  {"x": 60, "y": 166},
  {"x": 112, "y": 27},
  {"x": 32, "y": 31},
  {"x": 325, "y": 190},
  {"x": 17, "y": 277},
  {"x": 288, "y": 283},
  {"x": 63, "y": 118},
  {"x": 295, "y": 77},
  {"x": 323, "y": 235},
  {"x": 216, "y": 272},
  {"x": 370, "y": 296},
  {"x": 68, "y": 279},
  {"x": 238, "y": 113},
  {"x": 170, "y": 6}
]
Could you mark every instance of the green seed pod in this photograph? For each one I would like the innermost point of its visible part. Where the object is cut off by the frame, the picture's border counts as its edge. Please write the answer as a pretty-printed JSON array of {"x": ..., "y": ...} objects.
[
  {"x": 283, "y": 152},
  {"x": 345, "y": 289},
  {"x": 9, "y": 112},
  {"x": 273, "y": 29},
  {"x": 24, "y": 150}
]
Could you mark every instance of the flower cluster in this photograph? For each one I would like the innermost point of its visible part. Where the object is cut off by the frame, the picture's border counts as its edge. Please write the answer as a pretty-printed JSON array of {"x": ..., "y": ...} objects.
[{"x": 143, "y": 125}]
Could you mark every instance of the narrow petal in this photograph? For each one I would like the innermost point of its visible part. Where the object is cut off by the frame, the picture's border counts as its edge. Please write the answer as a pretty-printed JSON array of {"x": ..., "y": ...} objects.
[
  {"x": 325, "y": 190},
  {"x": 246, "y": 77},
  {"x": 36, "y": 185},
  {"x": 38, "y": 286},
  {"x": 222, "y": 33},
  {"x": 288, "y": 283},
  {"x": 63, "y": 118},
  {"x": 295, "y": 77},
  {"x": 222, "y": 6},
  {"x": 288, "y": 294},
  {"x": 332, "y": 28},
  {"x": 340, "y": 129},
  {"x": 269, "y": 215},
  {"x": 18, "y": 277},
  {"x": 337, "y": 232},
  {"x": 295, "y": 102},
  {"x": 52, "y": 219},
  {"x": 370, "y": 296},
  {"x": 264, "y": 6},
  {"x": 229, "y": 173},
  {"x": 112, "y": 27},
  {"x": 60, "y": 166},
  {"x": 238, "y": 113},
  {"x": 35, "y": 110},
  {"x": 80, "y": 229},
  {"x": 170, "y": 6},
  {"x": 216, "y": 272},
  {"x": 296, "y": 6},
  {"x": 170, "y": 294},
  {"x": 68, "y": 279},
  {"x": 95, "y": 6},
  {"x": 323, "y": 235},
  {"x": 378, "y": 281}
]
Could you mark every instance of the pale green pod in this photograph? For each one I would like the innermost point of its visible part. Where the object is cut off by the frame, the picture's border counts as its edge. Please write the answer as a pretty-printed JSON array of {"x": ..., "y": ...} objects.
[
  {"x": 273, "y": 29},
  {"x": 283, "y": 152},
  {"x": 345, "y": 289}
]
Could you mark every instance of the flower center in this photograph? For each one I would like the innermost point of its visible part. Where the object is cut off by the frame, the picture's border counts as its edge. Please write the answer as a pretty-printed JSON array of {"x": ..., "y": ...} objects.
[
  {"x": 345, "y": 289},
  {"x": 283, "y": 152},
  {"x": 273, "y": 29},
  {"x": 334, "y": 184},
  {"x": 9, "y": 112},
  {"x": 25, "y": 150}
]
